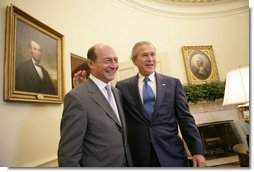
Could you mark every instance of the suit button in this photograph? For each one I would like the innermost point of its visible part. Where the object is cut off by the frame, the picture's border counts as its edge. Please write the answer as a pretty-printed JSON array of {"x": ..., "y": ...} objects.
[{"x": 121, "y": 130}]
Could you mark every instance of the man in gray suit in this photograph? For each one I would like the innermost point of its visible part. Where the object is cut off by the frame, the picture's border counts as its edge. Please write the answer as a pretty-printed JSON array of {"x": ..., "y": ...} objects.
[{"x": 93, "y": 133}]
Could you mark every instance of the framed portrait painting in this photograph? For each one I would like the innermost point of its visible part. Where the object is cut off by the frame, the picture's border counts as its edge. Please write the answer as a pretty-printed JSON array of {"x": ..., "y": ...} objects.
[
  {"x": 200, "y": 64},
  {"x": 33, "y": 60},
  {"x": 78, "y": 63}
]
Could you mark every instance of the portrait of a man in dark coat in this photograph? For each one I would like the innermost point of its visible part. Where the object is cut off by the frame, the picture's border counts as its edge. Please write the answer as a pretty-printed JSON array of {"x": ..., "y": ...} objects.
[{"x": 31, "y": 76}]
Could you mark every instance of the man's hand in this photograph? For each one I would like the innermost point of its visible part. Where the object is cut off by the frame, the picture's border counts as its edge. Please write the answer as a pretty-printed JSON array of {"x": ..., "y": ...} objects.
[
  {"x": 198, "y": 161},
  {"x": 79, "y": 78}
]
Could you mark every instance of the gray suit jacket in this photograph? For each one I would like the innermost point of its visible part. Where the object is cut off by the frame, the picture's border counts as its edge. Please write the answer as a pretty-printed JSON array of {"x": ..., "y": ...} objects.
[{"x": 91, "y": 135}]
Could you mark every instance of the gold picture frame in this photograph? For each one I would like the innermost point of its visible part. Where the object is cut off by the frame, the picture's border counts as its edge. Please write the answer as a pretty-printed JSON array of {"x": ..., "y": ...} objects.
[
  {"x": 200, "y": 64},
  {"x": 78, "y": 63},
  {"x": 33, "y": 69}
]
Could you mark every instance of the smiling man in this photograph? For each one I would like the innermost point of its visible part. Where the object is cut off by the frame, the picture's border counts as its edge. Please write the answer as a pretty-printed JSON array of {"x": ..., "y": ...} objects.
[
  {"x": 93, "y": 128},
  {"x": 155, "y": 105}
]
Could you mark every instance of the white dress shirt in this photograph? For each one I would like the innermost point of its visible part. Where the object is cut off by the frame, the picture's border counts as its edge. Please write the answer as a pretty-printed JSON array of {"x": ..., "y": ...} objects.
[
  {"x": 152, "y": 84},
  {"x": 38, "y": 69},
  {"x": 102, "y": 86}
]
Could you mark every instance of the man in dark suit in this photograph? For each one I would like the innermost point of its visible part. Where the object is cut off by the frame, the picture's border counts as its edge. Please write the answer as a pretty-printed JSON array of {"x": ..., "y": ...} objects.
[
  {"x": 93, "y": 133},
  {"x": 154, "y": 136},
  {"x": 31, "y": 76}
]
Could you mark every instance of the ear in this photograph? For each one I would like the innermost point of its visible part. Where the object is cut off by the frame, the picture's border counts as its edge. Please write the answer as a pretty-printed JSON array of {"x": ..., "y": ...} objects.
[
  {"x": 90, "y": 63},
  {"x": 133, "y": 61}
]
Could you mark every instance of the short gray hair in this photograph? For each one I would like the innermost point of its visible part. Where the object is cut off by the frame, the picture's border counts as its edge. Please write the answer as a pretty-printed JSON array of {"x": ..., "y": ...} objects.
[{"x": 134, "y": 52}]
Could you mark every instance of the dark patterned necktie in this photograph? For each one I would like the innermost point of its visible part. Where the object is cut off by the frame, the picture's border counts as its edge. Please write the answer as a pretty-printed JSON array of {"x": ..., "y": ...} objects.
[{"x": 148, "y": 98}]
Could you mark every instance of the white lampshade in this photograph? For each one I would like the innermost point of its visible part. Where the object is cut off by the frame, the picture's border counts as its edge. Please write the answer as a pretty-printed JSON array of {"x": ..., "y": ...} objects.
[{"x": 237, "y": 87}]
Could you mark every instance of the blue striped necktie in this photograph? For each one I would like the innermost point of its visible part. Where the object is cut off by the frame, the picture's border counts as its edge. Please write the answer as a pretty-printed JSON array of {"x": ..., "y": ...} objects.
[{"x": 148, "y": 98}]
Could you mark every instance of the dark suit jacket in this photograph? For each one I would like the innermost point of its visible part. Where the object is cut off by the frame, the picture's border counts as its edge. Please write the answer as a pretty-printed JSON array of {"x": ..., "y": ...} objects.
[
  {"x": 162, "y": 131},
  {"x": 91, "y": 135},
  {"x": 28, "y": 79}
]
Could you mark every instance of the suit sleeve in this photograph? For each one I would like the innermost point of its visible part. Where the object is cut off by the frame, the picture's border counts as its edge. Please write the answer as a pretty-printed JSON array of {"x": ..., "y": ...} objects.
[
  {"x": 187, "y": 123},
  {"x": 73, "y": 129}
]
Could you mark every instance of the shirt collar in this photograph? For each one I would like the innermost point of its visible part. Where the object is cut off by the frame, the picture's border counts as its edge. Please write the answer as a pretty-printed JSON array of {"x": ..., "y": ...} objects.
[
  {"x": 151, "y": 77},
  {"x": 98, "y": 82},
  {"x": 34, "y": 62}
]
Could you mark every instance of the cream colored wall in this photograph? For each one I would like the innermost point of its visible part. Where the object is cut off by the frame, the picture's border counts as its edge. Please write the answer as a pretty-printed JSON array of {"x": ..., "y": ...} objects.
[{"x": 30, "y": 132}]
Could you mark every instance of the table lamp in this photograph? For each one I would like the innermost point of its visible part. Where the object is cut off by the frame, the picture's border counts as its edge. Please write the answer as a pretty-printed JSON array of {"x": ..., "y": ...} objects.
[
  {"x": 237, "y": 92},
  {"x": 237, "y": 87}
]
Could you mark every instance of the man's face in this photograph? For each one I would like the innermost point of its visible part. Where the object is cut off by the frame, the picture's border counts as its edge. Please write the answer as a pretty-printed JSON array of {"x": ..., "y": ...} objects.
[
  {"x": 146, "y": 59},
  {"x": 105, "y": 65},
  {"x": 35, "y": 51}
]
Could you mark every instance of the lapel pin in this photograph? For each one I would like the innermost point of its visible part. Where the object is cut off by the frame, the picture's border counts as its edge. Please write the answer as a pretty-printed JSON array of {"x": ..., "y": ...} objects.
[{"x": 163, "y": 84}]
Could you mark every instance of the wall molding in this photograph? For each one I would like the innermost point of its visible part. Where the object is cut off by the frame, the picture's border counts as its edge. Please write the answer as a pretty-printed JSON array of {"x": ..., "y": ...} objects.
[{"x": 185, "y": 10}]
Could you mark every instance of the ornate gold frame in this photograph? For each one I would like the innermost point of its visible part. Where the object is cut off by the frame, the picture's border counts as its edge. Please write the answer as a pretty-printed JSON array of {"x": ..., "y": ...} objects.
[
  {"x": 21, "y": 27},
  {"x": 200, "y": 64}
]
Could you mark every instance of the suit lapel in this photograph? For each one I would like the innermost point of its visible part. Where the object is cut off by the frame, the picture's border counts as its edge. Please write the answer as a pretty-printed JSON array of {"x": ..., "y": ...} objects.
[
  {"x": 161, "y": 86},
  {"x": 121, "y": 112},
  {"x": 119, "y": 106},
  {"x": 34, "y": 72},
  {"x": 100, "y": 99},
  {"x": 134, "y": 91}
]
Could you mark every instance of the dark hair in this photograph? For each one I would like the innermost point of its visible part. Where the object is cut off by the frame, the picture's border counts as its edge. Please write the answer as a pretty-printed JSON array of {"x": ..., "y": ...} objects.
[{"x": 91, "y": 53}]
